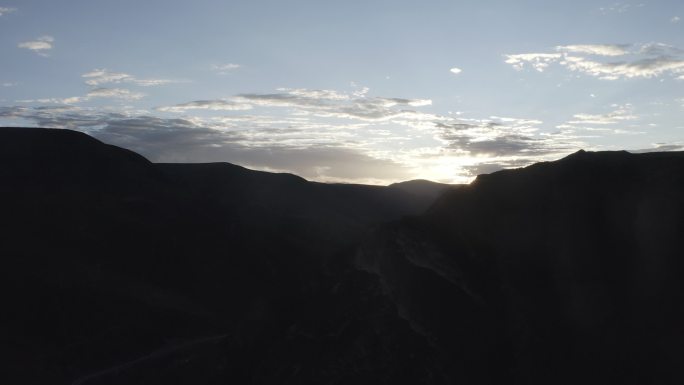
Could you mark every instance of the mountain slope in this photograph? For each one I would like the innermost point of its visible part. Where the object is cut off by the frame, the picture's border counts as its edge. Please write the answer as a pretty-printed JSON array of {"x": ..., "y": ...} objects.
[
  {"x": 565, "y": 272},
  {"x": 121, "y": 271},
  {"x": 118, "y": 270}
]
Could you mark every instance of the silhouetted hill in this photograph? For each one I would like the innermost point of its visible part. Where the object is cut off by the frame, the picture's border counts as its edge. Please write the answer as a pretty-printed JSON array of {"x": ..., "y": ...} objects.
[
  {"x": 116, "y": 270},
  {"x": 566, "y": 272},
  {"x": 424, "y": 187}
]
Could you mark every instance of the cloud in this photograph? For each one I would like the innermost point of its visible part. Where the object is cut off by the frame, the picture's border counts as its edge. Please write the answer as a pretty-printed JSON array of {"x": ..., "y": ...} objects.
[
  {"x": 596, "y": 49},
  {"x": 620, "y": 114},
  {"x": 184, "y": 140},
  {"x": 643, "y": 68},
  {"x": 502, "y": 137},
  {"x": 223, "y": 69},
  {"x": 40, "y": 46},
  {"x": 111, "y": 93},
  {"x": 619, "y": 121},
  {"x": 675, "y": 20},
  {"x": 620, "y": 7},
  {"x": 213, "y": 105},
  {"x": 456, "y": 70},
  {"x": 660, "y": 49},
  {"x": 325, "y": 135},
  {"x": 319, "y": 103},
  {"x": 99, "y": 77},
  {"x": 9, "y": 84},
  {"x": 538, "y": 61},
  {"x": 644, "y": 61},
  {"x": 6, "y": 10},
  {"x": 660, "y": 147},
  {"x": 114, "y": 93}
]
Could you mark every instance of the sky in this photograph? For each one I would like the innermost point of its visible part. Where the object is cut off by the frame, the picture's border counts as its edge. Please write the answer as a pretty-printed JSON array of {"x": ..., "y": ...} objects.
[{"x": 350, "y": 91}]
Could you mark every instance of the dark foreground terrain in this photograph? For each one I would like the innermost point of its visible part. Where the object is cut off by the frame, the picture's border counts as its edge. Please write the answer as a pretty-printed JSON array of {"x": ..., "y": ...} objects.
[{"x": 116, "y": 270}]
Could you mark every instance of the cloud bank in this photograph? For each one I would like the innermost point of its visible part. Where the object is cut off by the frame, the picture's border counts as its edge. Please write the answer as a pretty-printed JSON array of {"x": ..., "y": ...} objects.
[{"x": 325, "y": 135}]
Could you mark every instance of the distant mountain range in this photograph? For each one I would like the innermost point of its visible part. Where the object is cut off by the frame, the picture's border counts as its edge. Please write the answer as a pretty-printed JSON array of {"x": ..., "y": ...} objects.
[{"x": 116, "y": 270}]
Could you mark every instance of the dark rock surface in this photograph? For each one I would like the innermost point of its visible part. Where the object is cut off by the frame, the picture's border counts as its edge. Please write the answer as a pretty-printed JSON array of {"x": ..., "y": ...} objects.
[{"x": 116, "y": 270}]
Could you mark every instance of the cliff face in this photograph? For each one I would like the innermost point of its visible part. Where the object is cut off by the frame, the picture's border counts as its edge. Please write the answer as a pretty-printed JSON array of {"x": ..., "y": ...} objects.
[{"x": 572, "y": 267}]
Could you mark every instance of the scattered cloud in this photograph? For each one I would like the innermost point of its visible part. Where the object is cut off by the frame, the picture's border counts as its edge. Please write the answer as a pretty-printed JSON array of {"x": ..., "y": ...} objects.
[
  {"x": 643, "y": 68},
  {"x": 596, "y": 49},
  {"x": 99, "y": 77},
  {"x": 638, "y": 61},
  {"x": 325, "y": 135},
  {"x": 223, "y": 69},
  {"x": 620, "y": 114},
  {"x": 40, "y": 46},
  {"x": 660, "y": 147},
  {"x": 6, "y": 10},
  {"x": 318, "y": 103},
  {"x": 213, "y": 105},
  {"x": 620, "y": 7},
  {"x": 620, "y": 120},
  {"x": 115, "y": 93},
  {"x": 538, "y": 61},
  {"x": 187, "y": 140},
  {"x": 109, "y": 93},
  {"x": 675, "y": 20},
  {"x": 502, "y": 138},
  {"x": 456, "y": 70}
]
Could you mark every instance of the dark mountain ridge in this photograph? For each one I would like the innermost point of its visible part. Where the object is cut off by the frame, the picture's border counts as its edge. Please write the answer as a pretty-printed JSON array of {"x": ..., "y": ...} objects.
[
  {"x": 121, "y": 271},
  {"x": 108, "y": 257},
  {"x": 574, "y": 267}
]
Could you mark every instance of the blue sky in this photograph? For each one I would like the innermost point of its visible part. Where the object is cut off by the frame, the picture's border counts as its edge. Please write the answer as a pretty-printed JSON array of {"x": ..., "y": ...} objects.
[{"x": 355, "y": 91}]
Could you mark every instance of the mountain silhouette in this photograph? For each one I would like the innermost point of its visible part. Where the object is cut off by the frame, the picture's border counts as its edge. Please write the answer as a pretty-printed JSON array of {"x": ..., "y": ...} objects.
[
  {"x": 572, "y": 269},
  {"x": 115, "y": 267},
  {"x": 116, "y": 270}
]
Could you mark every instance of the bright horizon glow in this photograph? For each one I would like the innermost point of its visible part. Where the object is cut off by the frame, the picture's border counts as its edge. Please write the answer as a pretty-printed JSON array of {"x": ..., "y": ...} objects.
[{"x": 356, "y": 92}]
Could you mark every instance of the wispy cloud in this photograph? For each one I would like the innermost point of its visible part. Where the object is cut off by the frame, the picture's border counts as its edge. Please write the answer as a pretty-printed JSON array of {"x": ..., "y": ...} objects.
[
  {"x": 658, "y": 147},
  {"x": 40, "y": 45},
  {"x": 99, "y": 77},
  {"x": 115, "y": 93},
  {"x": 639, "y": 61},
  {"x": 109, "y": 93},
  {"x": 6, "y": 10},
  {"x": 596, "y": 49},
  {"x": 319, "y": 103},
  {"x": 620, "y": 114},
  {"x": 621, "y": 119},
  {"x": 675, "y": 20},
  {"x": 223, "y": 69},
  {"x": 456, "y": 70},
  {"x": 620, "y": 7},
  {"x": 213, "y": 105}
]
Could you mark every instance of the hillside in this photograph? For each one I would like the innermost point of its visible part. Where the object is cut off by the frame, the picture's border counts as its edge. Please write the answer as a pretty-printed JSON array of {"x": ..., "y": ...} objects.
[
  {"x": 573, "y": 268},
  {"x": 109, "y": 258},
  {"x": 117, "y": 270}
]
